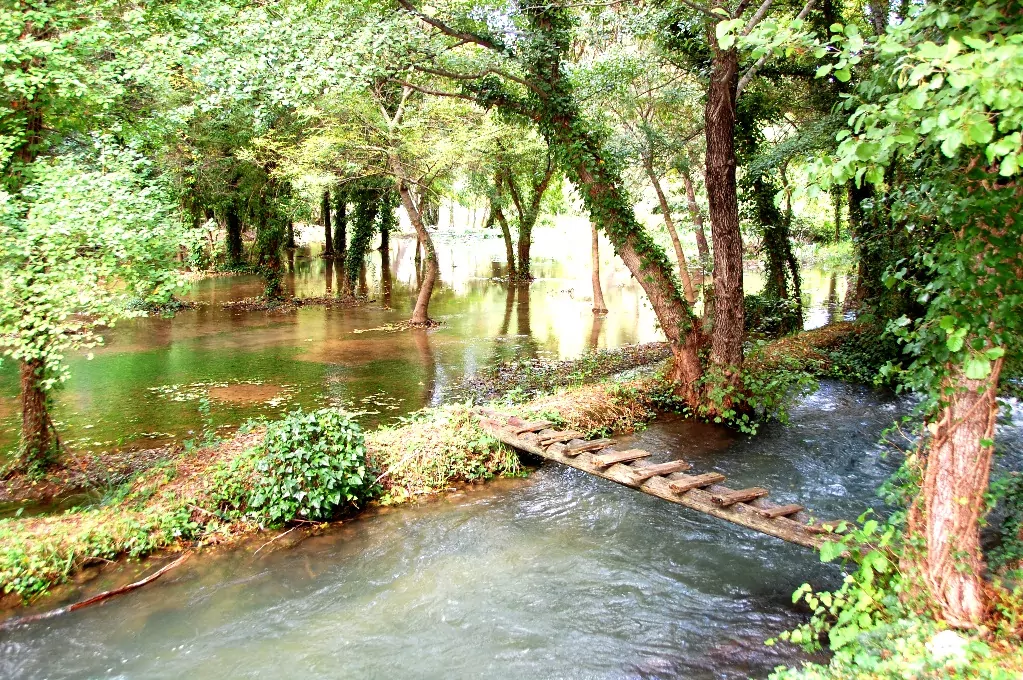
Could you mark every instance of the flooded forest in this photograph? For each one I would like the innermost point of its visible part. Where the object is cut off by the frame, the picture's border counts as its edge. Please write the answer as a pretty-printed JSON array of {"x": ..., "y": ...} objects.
[{"x": 380, "y": 339}]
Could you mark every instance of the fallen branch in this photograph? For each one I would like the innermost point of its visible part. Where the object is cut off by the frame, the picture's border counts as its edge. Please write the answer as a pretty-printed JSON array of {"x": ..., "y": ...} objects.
[{"x": 11, "y": 623}]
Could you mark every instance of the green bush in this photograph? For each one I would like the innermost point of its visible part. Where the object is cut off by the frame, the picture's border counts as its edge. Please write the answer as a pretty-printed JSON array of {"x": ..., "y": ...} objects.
[{"x": 313, "y": 465}]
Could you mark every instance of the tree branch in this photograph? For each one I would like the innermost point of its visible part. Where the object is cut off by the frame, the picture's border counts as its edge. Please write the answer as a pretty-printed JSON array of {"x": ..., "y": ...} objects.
[
  {"x": 745, "y": 80},
  {"x": 447, "y": 30}
]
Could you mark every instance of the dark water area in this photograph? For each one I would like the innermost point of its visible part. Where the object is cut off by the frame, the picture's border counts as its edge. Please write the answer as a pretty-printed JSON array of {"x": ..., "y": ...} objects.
[
  {"x": 143, "y": 387},
  {"x": 560, "y": 575}
]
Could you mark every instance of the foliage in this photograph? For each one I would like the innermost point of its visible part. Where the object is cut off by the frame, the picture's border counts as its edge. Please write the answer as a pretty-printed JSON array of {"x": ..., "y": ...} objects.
[
  {"x": 79, "y": 247},
  {"x": 311, "y": 466},
  {"x": 766, "y": 394},
  {"x": 1008, "y": 491},
  {"x": 768, "y": 315}
]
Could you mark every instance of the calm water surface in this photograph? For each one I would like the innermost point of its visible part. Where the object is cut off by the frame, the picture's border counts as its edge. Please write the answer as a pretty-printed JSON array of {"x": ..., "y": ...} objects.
[{"x": 144, "y": 386}]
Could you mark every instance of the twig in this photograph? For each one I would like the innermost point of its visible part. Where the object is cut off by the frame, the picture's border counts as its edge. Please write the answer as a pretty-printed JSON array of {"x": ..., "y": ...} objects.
[
  {"x": 11, "y": 623},
  {"x": 273, "y": 539}
]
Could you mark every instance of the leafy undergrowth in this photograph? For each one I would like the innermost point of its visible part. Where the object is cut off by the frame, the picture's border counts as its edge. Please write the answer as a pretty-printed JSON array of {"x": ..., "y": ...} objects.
[{"x": 308, "y": 467}]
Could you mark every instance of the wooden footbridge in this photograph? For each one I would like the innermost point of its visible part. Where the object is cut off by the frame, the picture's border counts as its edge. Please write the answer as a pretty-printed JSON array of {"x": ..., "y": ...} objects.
[{"x": 701, "y": 492}]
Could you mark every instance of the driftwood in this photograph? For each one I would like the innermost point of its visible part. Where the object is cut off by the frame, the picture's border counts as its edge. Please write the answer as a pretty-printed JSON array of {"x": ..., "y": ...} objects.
[{"x": 95, "y": 599}]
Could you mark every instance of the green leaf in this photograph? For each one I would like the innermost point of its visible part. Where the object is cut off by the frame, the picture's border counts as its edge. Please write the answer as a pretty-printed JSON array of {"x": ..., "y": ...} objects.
[{"x": 977, "y": 368}]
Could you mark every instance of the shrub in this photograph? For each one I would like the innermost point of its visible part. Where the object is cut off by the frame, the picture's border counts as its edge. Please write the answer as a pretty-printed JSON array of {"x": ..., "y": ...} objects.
[{"x": 313, "y": 465}]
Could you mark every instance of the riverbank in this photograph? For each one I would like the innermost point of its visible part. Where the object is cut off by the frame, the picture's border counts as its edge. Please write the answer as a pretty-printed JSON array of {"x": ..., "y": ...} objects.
[{"x": 180, "y": 501}]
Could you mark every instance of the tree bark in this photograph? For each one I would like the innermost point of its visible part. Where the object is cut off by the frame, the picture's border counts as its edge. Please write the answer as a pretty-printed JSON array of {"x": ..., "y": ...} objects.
[
  {"x": 729, "y": 312},
  {"x": 683, "y": 266},
  {"x": 36, "y": 441},
  {"x": 291, "y": 236},
  {"x": 421, "y": 312},
  {"x": 508, "y": 248},
  {"x": 956, "y": 475},
  {"x": 234, "y": 237},
  {"x": 328, "y": 248},
  {"x": 340, "y": 244},
  {"x": 599, "y": 308},
  {"x": 697, "y": 215}
]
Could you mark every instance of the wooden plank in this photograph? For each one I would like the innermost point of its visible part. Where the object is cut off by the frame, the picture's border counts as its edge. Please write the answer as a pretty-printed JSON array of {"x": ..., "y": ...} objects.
[
  {"x": 726, "y": 499},
  {"x": 574, "y": 449},
  {"x": 531, "y": 427},
  {"x": 777, "y": 511},
  {"x": 696, "y": 499},
  {"x": 641, "y": 474},
  {"x": 687, "y": 482},
  {"x": 612, "y": 457},
  {"x": 827, "y": 527},
  {"x": 558, "y": 437}
]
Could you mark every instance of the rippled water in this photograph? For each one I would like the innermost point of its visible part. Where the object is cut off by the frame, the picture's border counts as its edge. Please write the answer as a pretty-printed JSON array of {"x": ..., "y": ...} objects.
[{"x": 561, "y": 575}]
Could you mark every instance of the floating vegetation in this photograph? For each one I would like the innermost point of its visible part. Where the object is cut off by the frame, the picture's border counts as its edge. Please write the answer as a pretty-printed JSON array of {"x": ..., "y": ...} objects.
[{"x": 236, "y": 391}]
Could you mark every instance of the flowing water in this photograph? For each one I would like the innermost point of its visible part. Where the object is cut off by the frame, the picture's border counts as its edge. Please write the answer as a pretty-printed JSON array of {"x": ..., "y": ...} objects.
[
  {"x": 561, "y": 575},
  {"x": 144, "y": 387}
]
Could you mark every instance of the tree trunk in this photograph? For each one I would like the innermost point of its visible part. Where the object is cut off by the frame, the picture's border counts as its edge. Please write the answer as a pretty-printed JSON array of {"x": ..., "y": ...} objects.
[
  {"x": 729, "y": 312},
  {"x": 385, "y": 274},
  {"x": 697, "y": 215},
  {"x": 328, "y": 248},
  {"x": 683, "y": 266},
  {"x": 508, "y": 248},
  {"x": 291, "y": 236},
  {"x": 234, "y": 237},
  {"x": 37, "y": 445},
  {"x": 599, "y": 308},
  {"x": 609, "y": 207},
  {"x": 525, "y": 241},
  {"x": 421, "y": 312},
  {"x": 341, "y": 224},
  {"x": 955, "y": 482}
]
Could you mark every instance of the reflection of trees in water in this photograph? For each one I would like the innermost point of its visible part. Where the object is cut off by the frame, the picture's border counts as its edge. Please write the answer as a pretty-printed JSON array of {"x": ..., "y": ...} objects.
[
  {"x": 328, "y": 273},
  {"x": 509, "y": 305},
  {"x": 596, "y": 326},
  {"x": 385, "y": 274},
  {"x": 436, "y": 379}
]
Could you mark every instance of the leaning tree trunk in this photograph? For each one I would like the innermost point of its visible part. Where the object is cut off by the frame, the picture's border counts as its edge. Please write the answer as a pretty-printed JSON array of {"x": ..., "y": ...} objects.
[
  {"x": 421, "y": 312},
  {"x": 729, "y": 312},
  {"x": 683, "y": 266},
  {"x": 952, "y": 504},
  {"x": 599, "y": 308},
  {"x": 607, "y": 203},
  {"x": 328, "y": 237},
  {"x": 694, "y": 210},
  {"x": 508, "y": 248},
  {"x": 35, "y": 419}
]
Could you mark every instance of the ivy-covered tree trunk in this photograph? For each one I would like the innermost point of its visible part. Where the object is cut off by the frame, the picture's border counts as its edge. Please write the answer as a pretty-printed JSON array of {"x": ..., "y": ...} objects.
[
  {"x": 680, "y": 256},
  {"x": 729, "y": 311},
  {"x": 952, "y": 502},
  {"x": 36, "y": 442},
  {"x": 328, "y": 236},
  {"x": 291, "y": 237},
  {"x": 599, "y": 308},
  {"x": 783, "y": 286},
  {"x": 234, "y": 236},
  {"x": 694, "y": 210},
  {"x": 367, "y": 202}
]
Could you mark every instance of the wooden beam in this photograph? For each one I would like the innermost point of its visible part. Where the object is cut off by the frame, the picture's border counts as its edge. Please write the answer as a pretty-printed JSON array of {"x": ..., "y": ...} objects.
[
  {"x": 610, "y": 458},
  {"x": 778, "y": 511},
  {"x": 558, "y": 437},
  {"x": 532, "y": 427},
  {"x": 686, "y": 482},
  {"x": 726, "y": 499},
  {"x": 641, "y": 474},
  {"x": 695, "y": 499},
  {"x": 574, "y": 449}
]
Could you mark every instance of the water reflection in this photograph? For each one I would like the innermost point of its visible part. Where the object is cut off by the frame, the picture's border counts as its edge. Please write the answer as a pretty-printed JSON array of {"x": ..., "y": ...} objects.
[{"x": 142, "y": 388}]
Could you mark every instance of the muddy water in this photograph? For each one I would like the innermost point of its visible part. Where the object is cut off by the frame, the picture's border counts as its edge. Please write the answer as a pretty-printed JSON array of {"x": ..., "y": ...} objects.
[
  {"x": 557, "y": 576},
  {"x": 145, "y": 386}
]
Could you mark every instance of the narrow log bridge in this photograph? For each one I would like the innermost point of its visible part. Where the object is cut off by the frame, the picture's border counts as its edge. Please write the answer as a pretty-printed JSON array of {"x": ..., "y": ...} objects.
[{"x": 703, "y": 492}]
